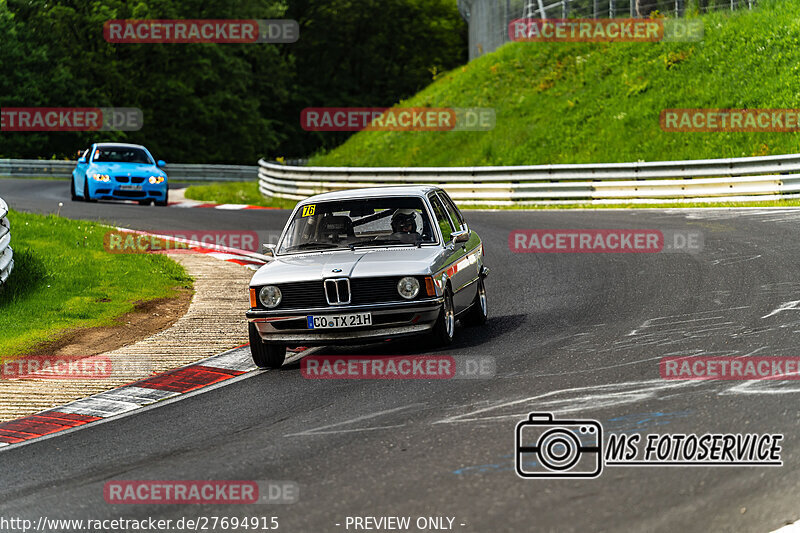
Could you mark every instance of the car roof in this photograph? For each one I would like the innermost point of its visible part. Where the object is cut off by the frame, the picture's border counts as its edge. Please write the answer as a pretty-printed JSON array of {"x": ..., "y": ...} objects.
[
  {"x": 124, "y": 145},
  {"x": 405, "y": 190}
]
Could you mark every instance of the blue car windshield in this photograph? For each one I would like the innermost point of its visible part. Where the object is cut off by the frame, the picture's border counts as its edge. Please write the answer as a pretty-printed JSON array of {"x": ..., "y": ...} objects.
[{"x": 121, "y": 154}]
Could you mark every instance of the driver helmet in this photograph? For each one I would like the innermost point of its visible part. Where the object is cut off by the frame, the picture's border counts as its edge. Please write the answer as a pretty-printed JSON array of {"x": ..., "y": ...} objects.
[{"x": 404, "y": 221}]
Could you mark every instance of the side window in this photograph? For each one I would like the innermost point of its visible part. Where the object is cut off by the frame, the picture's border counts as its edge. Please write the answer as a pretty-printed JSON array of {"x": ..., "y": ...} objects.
[
  {"x": 441, "y": 217},
  {"x": 455, "y": 214}
]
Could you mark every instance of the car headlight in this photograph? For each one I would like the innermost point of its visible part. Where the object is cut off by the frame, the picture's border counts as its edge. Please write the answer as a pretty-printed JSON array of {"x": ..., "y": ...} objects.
[
  {"x": 408, "y": 287},
  {"x": 101, "y": 177},
  {"x": 270, "y": 296},
  {"x": 155, "y": 180}
]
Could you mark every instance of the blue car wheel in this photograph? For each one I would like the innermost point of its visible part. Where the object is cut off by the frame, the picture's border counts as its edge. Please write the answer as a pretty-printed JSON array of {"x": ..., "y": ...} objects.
[
  {"x": 86, "y": 195},
  {"x": 72, "y": 193}
]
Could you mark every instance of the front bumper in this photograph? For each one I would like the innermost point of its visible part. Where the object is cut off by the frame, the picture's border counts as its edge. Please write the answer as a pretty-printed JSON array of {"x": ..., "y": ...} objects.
[
  {"x": 113, "y": 191},
  {"x": 390, "y": 320}
]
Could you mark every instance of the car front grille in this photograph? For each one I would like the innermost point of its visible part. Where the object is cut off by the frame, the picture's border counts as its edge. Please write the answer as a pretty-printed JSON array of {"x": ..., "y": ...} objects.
[
  {"x": 337, "y": 291},
  {"x": 131, "y": 194},
  {"x": 302, "y": 294},
  {"x": 375, "y": 290},
  {"x": 126, "y": 179},
  {"x": 356, "y": 291}
]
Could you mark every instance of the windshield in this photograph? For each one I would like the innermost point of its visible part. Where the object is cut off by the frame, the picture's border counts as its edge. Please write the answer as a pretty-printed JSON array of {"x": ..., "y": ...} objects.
[
  {"x": 358, "y": 223},
  {"x": 121, "y": 154}
]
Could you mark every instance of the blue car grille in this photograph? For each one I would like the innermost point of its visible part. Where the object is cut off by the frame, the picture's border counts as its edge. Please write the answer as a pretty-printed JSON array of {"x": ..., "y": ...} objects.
[{"x": 130, "y": 194}]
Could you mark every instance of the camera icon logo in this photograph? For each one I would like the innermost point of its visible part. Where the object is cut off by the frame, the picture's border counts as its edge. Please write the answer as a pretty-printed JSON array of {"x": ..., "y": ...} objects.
[{"x": 550, "y": 449}]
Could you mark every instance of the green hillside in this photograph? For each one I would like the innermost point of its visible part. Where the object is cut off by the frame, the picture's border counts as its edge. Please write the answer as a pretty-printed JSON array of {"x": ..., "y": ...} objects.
[{"x": 600, "y": 102}]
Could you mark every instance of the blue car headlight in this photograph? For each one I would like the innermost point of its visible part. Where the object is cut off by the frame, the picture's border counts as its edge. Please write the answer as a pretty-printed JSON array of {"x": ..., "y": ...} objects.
[
  {"x": 101, "y": 177},
  {"x": 155, "y": 180}
]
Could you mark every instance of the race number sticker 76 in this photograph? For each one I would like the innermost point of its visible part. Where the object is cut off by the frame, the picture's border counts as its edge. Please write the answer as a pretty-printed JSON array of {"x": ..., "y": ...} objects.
[{"x": 308, "y": 210}]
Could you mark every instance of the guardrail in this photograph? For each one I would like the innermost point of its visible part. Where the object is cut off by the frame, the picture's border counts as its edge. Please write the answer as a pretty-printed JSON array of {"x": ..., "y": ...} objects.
[
  {"x": 737, "y": 179},
  {"x": 34, "y": 168},
  {"x": 6, "y": 253}
]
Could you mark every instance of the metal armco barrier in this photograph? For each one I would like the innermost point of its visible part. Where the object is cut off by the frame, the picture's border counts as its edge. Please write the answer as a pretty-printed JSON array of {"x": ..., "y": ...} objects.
[
  {"x": 738, "y": 179},
  {"x": 6, "y": 253},
  {"x": 33, "y": 168}
]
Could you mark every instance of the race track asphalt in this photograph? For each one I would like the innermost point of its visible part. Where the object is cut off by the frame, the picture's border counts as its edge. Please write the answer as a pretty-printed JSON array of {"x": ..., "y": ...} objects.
[{"x": 579, "y": 335}]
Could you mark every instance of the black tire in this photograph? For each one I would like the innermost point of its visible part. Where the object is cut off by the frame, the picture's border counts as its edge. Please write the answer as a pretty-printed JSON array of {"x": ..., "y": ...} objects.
[
  {"x": 479, "y": 310},
  {"x": 75, "y": 197},
  {"x": 166, "y": 200},
  {"x": 265, "y": 355},
  {"x": 86, "y": 197},
  {"x": 144, "y": 202},
  {"x": 445, "y": 327}
]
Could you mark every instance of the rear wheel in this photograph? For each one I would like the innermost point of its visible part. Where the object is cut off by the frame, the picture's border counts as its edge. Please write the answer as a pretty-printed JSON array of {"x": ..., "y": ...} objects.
[
  {"x": 445, "y": 327},
  {"x": 478, "y": 311},
  {"x": 74, "y": 196},
  {"x": 265, "y": 355}
]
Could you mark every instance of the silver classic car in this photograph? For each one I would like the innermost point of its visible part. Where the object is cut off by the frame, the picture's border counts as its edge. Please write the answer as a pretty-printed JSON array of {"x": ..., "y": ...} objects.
[{"x": 365, "y": 265}]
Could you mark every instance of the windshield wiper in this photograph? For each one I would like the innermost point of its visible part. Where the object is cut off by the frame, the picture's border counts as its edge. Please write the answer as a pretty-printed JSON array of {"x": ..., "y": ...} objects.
[
  {"x": 379, "y": 242},
  {"x": 311, "y": 245}
]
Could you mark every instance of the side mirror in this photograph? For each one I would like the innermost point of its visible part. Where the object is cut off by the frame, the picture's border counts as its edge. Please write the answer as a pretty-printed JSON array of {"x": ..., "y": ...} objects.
[
  {"x": 268, "y": 250},
  {"x": 160, "y": 163},
  {"x": 81, "y": 160},
  {"x": 461, "y": 236}
]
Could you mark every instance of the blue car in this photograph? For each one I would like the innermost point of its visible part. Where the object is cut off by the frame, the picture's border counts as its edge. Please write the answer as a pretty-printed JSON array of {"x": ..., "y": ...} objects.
[{"x": 116, "y": 171}]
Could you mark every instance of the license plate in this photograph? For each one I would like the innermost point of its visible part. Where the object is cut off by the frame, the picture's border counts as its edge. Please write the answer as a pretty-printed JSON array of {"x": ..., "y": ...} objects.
[
  {"x": 353, "y": 320},
  {"x": 130, "y": 187}
]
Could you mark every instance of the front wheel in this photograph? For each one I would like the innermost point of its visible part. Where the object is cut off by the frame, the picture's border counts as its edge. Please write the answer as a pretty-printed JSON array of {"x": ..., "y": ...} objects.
[
  {"x": 265, "y": 355},
  {"x": 478, "y": 311},
  {"x": 445, "y": 327},
  {"x": 165, "y": 201},
  {"x": 72, "y": 193},
  {"x": 86, "y": 196}
]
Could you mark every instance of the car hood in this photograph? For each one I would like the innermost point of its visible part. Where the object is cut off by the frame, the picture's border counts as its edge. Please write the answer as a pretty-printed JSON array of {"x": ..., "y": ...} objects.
[
  {"x": 115, "y": 169},
  {"x": 401, "y": 261}
]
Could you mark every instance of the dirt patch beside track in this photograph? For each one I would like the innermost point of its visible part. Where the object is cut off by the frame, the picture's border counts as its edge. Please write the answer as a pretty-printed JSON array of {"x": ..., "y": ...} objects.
[
  {"x": 147, "y": 318},
  {"x": 213, "y": 322}
]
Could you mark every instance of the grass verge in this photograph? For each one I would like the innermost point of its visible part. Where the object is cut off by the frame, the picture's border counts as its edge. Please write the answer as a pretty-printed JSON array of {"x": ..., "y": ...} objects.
[
  {"x": 64, "y": 279},
  {"x": 600, "y": 102},
  {"x": 238, "y": 192},
  {"x": 243, "y": 192}
]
